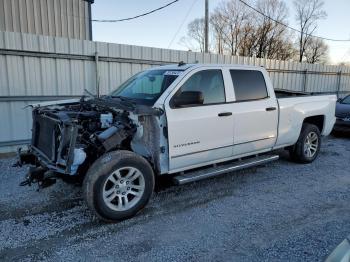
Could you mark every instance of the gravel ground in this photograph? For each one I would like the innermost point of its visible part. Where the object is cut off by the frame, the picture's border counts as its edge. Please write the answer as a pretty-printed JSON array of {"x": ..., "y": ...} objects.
[{"x": 279, "y": 212}]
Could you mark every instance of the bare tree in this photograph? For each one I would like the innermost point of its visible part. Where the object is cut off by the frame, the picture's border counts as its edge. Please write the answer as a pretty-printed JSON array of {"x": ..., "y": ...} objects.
[
  {"x": 195, "y": 32},
  {"x": 218, "y": 25},
  {"x": 344, "y": 63},
  {"x": 283, "y": 49},
  {"x": 248, "y": 41},
  {"x": 233, "y": 15},
  {"x": 270, "y": 34},
  {"x": 308, "y": 13},
  {"x": 316, "y": 51},
  {"x": 239, "y": 30}
]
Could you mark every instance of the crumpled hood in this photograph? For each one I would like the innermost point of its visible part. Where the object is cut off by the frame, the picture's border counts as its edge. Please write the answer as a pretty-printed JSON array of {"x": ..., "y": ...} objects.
[
  {"x": 137, "y": 109},
  {"x": 55, "y": 102},
  {"x": 342, "y": 110}
]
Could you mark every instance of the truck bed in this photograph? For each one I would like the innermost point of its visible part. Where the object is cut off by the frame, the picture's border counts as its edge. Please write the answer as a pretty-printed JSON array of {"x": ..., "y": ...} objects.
[
  {"x": 295, "y": 108},
  {"x": 281, "y": 93},
  {"x": 284, "y": 93}
]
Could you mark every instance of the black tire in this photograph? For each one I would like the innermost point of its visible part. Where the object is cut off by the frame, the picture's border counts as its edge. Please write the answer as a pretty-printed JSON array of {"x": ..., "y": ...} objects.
[
  {"x": 298, "y": 151},
  {"x": 99, "y": 175}
]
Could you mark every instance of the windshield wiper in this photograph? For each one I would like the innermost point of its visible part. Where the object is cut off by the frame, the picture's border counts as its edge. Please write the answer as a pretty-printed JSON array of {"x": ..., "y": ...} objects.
[
  {"x": 120, "y": 97},
  {"x": 125, "y": 100}
]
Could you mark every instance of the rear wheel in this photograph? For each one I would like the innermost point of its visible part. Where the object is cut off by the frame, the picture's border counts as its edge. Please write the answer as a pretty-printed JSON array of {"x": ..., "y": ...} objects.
[
  {"x": 118, "y": 185},
  {"x": 308, "y": 145}
]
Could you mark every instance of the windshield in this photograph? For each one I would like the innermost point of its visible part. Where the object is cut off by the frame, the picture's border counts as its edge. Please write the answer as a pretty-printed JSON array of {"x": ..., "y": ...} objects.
[
  {"x": 147, "y": 86},
  {"x": 346, "y": 100}
]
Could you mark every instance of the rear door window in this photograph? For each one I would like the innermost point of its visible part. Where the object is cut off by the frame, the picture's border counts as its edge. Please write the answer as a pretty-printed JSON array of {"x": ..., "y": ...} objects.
[{"x": 248, "y": 85}]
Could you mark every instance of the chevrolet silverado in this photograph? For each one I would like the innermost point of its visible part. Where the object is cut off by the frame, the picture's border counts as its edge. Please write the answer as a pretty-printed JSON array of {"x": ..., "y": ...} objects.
[{"x": 187, "y": 121}]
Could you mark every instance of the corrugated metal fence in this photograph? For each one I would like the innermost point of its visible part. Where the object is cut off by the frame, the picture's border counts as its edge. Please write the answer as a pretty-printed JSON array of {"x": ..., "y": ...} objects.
[
  {"x": 38, "y": 68},
  {"x": 62, "y": 18}
]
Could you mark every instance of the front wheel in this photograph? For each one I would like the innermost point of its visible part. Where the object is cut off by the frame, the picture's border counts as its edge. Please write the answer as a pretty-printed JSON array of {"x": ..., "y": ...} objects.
[
  {"x": 308, "y": 145},
  {"x": 118, "y": 185}
]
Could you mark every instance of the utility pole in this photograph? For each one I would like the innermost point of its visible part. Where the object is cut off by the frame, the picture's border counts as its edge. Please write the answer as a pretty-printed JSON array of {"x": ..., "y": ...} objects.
[{"x": 206, "y": 26}]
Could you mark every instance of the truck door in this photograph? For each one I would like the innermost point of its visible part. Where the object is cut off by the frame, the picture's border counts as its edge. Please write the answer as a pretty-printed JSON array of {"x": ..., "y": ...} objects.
[
  {"x": 200, "y": 122},
  {"x": 255, "y": 112}
]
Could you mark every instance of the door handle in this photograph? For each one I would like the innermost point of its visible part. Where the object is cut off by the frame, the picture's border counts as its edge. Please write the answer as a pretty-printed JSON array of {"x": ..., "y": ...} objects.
[
  {"x": 225, "y": 114},
  {"x": 271, "y": 108}
]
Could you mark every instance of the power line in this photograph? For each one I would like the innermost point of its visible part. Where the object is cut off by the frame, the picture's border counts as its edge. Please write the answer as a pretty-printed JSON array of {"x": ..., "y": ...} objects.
[
  {"x": 294, "y": 29},
  {"x": 134, "y": 17},
  {"x": 182, "y": 23}
]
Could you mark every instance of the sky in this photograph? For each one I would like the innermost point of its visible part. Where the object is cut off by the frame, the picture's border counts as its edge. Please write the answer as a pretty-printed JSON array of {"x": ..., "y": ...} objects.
[{"x": 160, "y": 28}]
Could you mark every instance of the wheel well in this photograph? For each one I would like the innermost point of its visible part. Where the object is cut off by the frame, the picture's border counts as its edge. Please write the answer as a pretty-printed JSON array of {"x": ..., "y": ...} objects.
[{"x": 315, "y": 120}]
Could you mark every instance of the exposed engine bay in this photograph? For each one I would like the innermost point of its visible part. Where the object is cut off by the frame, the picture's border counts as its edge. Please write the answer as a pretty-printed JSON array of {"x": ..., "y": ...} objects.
[{"x": 68, "y": 137}]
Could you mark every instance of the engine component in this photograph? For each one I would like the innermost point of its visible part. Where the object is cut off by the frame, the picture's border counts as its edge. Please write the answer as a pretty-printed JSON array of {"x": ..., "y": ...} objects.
[
  {"x": 107, "y": 133},
  {"x": 106, "y": 120},
  {"x": 113, "y": 137},
  {"x": 79, "y": 158},
  {"x": 42, "y": 176},
  {"x": 24, "y": 158}
]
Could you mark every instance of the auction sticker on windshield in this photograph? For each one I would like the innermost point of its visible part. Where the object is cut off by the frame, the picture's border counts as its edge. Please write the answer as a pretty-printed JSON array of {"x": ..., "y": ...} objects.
[{"x": 172, "y": 73}]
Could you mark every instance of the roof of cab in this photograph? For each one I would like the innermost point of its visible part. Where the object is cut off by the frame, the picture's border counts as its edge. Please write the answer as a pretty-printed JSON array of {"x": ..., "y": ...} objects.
[{"x": 187, "y": 66}]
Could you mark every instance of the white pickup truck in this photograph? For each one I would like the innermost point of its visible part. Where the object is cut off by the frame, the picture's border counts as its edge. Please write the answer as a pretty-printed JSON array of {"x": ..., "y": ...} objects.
[{"x": 188, "y": 121}]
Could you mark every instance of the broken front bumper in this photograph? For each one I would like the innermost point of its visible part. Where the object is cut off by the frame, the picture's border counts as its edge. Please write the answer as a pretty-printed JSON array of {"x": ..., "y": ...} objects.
[{"x": 43, "y": 170}]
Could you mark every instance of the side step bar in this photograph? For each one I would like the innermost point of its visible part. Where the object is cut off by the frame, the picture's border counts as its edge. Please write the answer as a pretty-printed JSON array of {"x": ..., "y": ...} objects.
[{"x": 213, "y": 171}]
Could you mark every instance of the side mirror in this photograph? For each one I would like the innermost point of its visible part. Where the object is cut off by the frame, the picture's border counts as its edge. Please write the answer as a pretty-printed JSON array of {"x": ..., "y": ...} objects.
[
  {"x": 188, "y": 98},
  {"x": 339, "y": 100}
]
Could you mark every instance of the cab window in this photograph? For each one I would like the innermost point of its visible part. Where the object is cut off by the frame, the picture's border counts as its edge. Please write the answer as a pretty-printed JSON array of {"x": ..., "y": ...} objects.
[
  {"x": 209, "y": 83},
  {"x": 248, "y": 85}
]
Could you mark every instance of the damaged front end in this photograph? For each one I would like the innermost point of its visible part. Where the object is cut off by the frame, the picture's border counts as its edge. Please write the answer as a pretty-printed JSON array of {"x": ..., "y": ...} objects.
[{"x": 68, "y": 137}]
